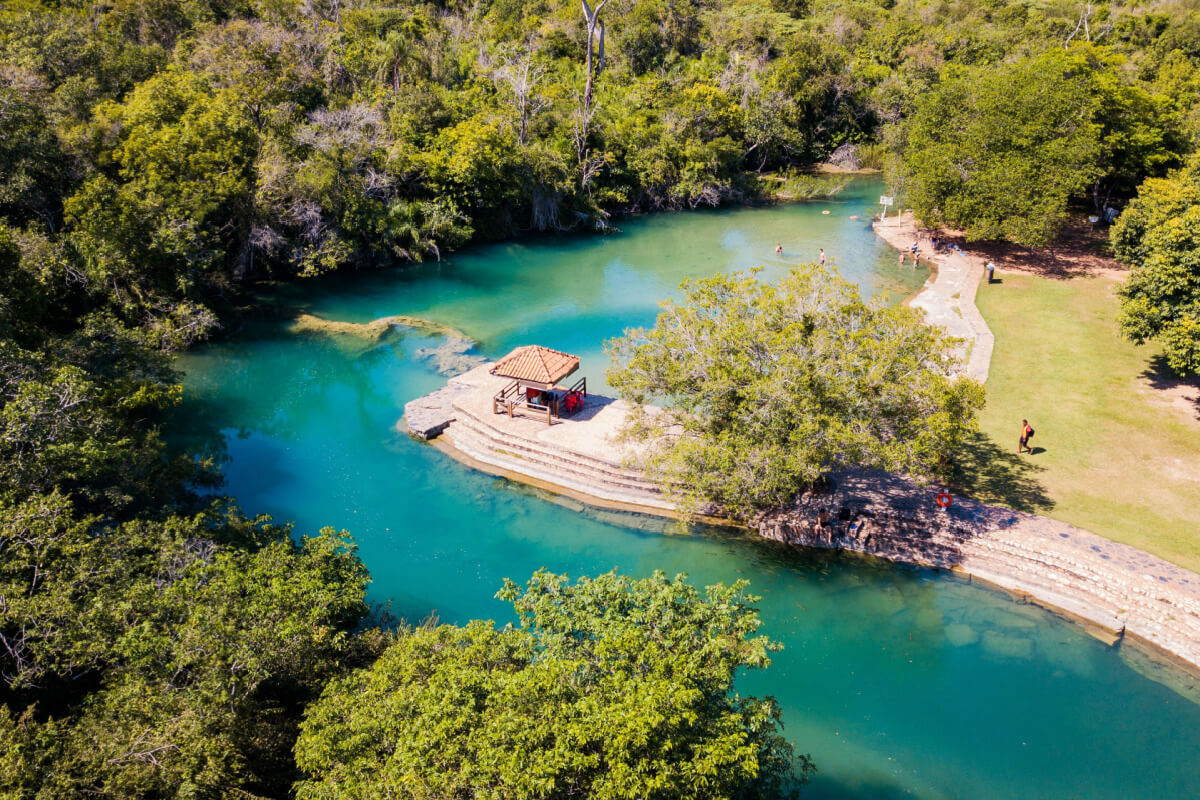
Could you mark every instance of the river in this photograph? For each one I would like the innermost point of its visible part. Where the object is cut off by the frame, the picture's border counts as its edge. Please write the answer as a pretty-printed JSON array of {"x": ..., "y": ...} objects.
[{"x": 899, "y": 682}]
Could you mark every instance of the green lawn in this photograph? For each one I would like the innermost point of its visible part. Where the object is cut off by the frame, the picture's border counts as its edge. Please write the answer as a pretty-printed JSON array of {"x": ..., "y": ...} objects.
[{"x": 1112, "y": 455}]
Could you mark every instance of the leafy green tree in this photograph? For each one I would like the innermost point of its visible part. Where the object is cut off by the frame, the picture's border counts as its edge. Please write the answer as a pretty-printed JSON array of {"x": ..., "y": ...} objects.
[
  {"x": 196, "y": 639},
  {"x": 766, "y": 389},
  {"x": 608, "y": 688},
  {"x": 272, "y": 70},
  {"x": 1140, "y": 134},
  {"x": 1159, "y": 236},
  {"x": 33, "y": 169},
  {"x": 1000, "y": 151},
  {"x": 157, "y": 231}
]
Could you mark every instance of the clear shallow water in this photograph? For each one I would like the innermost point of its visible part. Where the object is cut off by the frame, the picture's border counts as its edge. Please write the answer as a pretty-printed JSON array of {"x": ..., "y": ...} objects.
[{"x": 899, "y": 682}]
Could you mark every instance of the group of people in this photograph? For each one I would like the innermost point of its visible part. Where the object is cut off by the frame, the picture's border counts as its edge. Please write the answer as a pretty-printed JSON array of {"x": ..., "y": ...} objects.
[{"x": 915, "y": 250}]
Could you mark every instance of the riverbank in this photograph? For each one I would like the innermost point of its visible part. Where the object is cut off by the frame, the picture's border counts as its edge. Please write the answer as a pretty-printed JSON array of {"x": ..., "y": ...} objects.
[
  {"x": 1117, "y": 590},
  {"x": 948, "y": 297},
  {"x": 1118, "y": 444},
  {"x": 1117, "y": 449}
]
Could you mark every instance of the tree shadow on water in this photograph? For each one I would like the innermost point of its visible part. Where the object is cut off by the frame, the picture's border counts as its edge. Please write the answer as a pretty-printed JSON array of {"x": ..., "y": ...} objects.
[
  {"x": 999, "y": 476},
  {"x": 827, "y": 787}
]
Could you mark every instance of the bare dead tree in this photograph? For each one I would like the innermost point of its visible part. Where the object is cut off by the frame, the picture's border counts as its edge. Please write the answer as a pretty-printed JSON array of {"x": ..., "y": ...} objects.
[
  {"x": 523, "y": 77},
  {"x": 591, "y": 18},
  {"x": 1086, "y": 11}
]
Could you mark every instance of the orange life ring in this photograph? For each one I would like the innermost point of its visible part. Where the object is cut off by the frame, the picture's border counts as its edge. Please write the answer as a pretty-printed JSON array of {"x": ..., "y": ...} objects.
[{"x": 944, "y": 500}]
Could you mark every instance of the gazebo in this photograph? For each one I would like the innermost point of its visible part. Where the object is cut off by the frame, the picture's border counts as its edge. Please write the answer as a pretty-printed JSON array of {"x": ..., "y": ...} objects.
[{"x": 535, "y": 372}]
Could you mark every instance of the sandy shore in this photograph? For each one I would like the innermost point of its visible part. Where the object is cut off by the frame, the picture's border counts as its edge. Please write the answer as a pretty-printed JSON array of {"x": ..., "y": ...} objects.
[{"x": 948, "y": 298}]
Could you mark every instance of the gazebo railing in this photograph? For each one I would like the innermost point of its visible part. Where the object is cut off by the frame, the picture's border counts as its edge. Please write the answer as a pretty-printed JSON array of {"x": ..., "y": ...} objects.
[
  {"x": 505, "y": 396},
  {"x": 508, "y": 399}
]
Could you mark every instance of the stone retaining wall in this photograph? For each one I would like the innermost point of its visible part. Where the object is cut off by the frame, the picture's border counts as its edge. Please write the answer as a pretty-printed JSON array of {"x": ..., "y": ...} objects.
[{"x": 1111, "y": 585}]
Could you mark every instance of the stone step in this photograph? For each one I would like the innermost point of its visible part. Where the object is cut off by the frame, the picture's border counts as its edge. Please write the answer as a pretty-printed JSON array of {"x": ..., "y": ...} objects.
[
  {"x": 466, "y": 415},
  {"x": 1113, "y": 582},
  {"x": 1046, "y": 575},
  {"x": 522, "y": 452},
  {"x": 553, "y": 456},
  {"x": 482, "y": 450},
  {"x": 1139, "y": 612}
]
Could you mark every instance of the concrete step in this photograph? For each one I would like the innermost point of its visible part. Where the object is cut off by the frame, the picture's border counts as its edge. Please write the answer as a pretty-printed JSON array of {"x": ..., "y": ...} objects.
[
  {"x": 1045, "y": 579},
  {"x": 553, "y": 456},
  {"x": 466, "y": 415},
  {"x": 485, "y": 451},
  {"x": 1093, "y": 577},
  {"x": 523, "y": 451}
]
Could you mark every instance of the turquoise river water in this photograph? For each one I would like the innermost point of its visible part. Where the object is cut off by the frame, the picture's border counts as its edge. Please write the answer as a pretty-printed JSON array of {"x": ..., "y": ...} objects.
[{"x": 900, "y": 682}]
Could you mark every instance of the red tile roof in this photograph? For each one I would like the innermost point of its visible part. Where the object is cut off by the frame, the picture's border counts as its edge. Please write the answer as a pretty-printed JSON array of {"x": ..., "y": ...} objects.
[{"x": 536, "y": 364}]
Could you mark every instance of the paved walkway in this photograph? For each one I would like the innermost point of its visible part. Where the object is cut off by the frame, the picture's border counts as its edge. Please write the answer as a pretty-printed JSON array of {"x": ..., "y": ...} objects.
[{"x": 948, "y": 298}]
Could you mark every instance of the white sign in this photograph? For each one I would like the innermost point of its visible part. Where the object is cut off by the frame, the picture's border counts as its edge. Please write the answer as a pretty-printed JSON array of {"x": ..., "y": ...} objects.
[{"x": 884, "y": 200}]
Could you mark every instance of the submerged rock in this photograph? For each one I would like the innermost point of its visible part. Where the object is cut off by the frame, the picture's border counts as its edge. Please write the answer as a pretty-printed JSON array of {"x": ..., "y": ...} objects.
[
  {"x": 452, "y": 357},
  {"x": 961, "y": 635}
]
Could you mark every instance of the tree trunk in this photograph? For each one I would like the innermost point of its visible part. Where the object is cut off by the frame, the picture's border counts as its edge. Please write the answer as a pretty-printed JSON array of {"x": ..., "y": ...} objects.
[{"x": 592, "y": 18}]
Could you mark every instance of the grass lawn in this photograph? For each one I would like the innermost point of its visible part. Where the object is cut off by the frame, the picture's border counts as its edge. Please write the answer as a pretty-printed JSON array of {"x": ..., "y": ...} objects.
[{"x": 1112, "y": 453}]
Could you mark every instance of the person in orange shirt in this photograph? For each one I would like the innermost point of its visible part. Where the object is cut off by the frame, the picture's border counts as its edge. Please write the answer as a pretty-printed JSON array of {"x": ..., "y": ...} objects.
[{"x": 1026, "y": 435}]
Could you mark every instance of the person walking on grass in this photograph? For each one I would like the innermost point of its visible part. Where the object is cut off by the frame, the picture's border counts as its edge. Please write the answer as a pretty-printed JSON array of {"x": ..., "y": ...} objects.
[{"x": 1026, "y": 435}]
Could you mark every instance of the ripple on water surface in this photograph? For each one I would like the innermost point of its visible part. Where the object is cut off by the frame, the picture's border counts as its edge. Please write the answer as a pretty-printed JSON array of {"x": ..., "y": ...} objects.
[{"x": 900, "y": 682}]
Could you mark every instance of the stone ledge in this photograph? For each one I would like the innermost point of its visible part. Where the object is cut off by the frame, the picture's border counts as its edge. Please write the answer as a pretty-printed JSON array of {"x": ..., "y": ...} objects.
[{"x": 1115, "y": 586}]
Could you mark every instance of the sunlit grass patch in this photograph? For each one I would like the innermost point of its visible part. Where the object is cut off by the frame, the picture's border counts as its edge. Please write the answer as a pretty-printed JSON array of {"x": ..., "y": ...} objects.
[{"x": 1115, "y": 450}]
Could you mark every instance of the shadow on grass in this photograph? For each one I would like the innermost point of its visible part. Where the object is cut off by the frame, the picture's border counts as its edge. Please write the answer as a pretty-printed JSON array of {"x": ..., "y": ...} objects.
[
  {"x": 1079, "y": 249},
  {"x": 1184, "y": 390},
  {"x": 998, "y": 476}
]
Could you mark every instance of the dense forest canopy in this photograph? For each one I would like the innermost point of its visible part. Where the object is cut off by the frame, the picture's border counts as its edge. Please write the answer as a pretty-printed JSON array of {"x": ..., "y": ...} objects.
[
  {"x": 158, "y": 155},
  {"x": 165, "y": 151}
]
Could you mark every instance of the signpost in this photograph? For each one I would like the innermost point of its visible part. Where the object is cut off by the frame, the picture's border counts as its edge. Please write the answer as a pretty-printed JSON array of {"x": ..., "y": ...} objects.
[{"x": 885, "y": 201}]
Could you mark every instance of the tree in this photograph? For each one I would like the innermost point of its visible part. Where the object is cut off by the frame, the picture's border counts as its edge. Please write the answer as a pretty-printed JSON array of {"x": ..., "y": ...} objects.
[
  {"x": 1141, "y": 136},
  {"x": 33, "y": 169},
  {"x": 766, "y": 389},
  {"x": 158, "y": 230},
  {"x": 607, "y": 688},
  {"x": 999, "y": 151},
  {"x": 179, "y": 651},
  {"x": 1159, "y": 236},
  {"x": 595, "y": 27}
]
